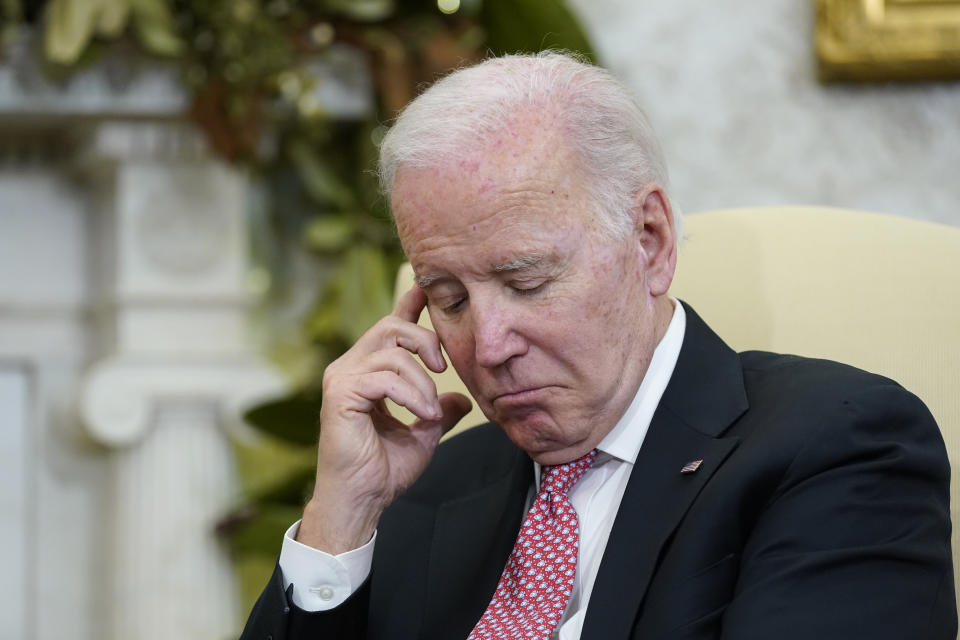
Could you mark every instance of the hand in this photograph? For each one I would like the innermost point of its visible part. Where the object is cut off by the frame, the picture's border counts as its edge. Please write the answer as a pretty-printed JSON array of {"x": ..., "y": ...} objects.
[{"x": 365, "y": 456}]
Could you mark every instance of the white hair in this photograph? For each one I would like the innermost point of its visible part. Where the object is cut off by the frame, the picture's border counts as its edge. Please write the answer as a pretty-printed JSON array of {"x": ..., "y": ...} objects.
[{"x": 600, "y": 117}]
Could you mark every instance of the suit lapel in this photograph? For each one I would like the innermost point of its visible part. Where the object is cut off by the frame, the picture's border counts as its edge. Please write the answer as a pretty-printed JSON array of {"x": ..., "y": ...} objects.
[
  {"x": 705, "y": 395},
  {"x": 473, "y": 536}
]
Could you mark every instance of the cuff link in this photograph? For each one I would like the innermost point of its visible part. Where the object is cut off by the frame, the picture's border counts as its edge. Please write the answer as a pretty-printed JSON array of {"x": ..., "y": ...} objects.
[{"x": 324, "y": 592}]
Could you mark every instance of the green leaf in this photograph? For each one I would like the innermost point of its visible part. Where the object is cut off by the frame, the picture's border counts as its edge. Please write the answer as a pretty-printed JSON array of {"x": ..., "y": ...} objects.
[
  {"x": 274, "y": 471},
  {"x": 113, "y": 17},
  {"x": 261, "y": 530},
  {"x": 515, "y": 26},
  {"x": 365, "y": 288},
  {"x": 319, "y": 179},
  {"x": 69, "y": 28},
  {"x": 329, "y": 233},
  {"x": 293, "y": 418},
  {"x": 155, "y": 27},
  {"x": 12, "y": 10},
  {"x": 324, "y": 321},
  {"x": 293, "y": 488},
  {"x": 253, "y": 571},
  {"x": 362, "y": 10}
]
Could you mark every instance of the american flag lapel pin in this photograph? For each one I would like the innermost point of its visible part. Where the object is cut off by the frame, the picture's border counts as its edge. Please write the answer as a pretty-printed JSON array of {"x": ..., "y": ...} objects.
[{"x": 691, "y": 466}]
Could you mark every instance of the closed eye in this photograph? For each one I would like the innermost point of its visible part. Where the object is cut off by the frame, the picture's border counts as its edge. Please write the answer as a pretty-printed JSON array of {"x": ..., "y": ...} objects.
[
  {"x": 455, "y": 306},
  {"x": 528, "y": 289}
]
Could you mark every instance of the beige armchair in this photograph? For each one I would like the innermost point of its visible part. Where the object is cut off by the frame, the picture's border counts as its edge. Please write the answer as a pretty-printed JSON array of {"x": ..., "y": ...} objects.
[{"x": 879, "y": 292}]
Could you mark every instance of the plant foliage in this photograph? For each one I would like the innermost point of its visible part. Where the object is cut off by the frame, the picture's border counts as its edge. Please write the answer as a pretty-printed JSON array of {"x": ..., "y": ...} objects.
[{"x": 251, "y": 69}]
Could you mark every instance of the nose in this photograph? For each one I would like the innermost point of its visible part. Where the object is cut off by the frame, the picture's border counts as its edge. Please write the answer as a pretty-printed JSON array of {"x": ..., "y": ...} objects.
[{"x": 496, "y": 332}]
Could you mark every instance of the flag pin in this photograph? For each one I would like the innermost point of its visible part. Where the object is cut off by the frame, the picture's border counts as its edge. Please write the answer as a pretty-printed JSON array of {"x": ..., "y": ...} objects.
[{"x": 691, "y": 467}]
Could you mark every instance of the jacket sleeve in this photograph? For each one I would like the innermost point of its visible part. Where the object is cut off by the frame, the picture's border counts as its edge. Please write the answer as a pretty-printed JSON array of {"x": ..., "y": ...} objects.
[
  {"x": 275, "y": 617},
  {"x": 855, "y": 540}
]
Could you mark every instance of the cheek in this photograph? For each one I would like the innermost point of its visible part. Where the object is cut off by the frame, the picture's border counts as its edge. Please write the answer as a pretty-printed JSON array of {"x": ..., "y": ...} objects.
[
  {"x": 619, "y": 285},
  {"x": 605, "y": 294},
  {"x": 458, "y": 344},
  {"x": 610, "y": 313}
]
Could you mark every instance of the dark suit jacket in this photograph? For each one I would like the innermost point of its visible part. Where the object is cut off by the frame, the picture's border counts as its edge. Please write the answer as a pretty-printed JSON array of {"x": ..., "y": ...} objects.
[{"x": 821, "y": 510}]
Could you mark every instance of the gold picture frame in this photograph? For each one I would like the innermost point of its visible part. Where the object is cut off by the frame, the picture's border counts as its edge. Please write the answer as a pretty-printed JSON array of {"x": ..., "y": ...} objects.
[{"x": 878, "y": 40}]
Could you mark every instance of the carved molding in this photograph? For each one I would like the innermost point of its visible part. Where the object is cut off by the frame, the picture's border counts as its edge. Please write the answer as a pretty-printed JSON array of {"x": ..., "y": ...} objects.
[
  {"x": 117, "y": 141},
  {"x": 177, "y": 237},
  {"x": 120, "y": 85},
  {"x": 119, "y": 394},
  {"x": 125, "y": 84},
  {"x": 164, "y": 557},
  {"x": 171, "y": 216},
  {"x": 37, "y": 148}
]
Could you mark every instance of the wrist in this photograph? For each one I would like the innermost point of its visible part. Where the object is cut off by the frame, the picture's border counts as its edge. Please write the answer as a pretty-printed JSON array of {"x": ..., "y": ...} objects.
[{"x": 337, "y": 528}]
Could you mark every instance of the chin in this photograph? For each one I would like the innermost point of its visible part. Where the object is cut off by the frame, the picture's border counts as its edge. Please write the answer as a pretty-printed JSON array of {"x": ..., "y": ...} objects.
[{"x": 542, "y": 439}]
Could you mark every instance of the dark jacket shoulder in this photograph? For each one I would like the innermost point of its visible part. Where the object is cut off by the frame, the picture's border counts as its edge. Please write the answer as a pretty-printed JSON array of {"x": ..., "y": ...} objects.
[
  {"x": 467, "y": 462},
  {"x": 790, "y": 390}
]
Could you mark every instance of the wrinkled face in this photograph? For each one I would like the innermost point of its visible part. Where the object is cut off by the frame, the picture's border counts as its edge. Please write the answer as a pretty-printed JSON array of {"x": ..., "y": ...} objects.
[{"x": 549, "y": 323}]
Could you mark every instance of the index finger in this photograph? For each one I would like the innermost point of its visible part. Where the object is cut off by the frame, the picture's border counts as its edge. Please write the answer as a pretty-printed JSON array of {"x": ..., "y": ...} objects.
[
  {"x": 411, "y": 304},
  {"x": 409, "y": 307}
]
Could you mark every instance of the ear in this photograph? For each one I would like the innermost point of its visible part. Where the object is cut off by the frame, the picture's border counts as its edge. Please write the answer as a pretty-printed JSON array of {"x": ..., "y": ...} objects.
[{"x": 653, "y": 222}]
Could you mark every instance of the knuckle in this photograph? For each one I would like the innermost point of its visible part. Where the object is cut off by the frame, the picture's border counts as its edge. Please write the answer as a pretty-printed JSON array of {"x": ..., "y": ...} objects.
[
  {"x": 327, "y": 380},
  {"x": 398, "y": 352},
  {"x": 333, "y": 369},
  {"x": 336, "y": 381},
  {"x": 388, "y": 325}
]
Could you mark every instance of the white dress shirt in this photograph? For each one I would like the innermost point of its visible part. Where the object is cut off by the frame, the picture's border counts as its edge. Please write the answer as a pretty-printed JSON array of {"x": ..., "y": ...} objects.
[{"x": 322, "y": 581}]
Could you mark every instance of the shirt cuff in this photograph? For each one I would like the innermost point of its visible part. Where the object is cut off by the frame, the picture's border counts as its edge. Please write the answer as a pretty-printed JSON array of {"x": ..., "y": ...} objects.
[{"x": 322, "y": 581}]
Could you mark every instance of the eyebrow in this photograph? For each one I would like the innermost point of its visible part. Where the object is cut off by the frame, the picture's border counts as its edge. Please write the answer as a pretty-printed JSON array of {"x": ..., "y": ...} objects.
[
  {"x": 425, "y": 281},
  {"x": 517, "y": 264}
]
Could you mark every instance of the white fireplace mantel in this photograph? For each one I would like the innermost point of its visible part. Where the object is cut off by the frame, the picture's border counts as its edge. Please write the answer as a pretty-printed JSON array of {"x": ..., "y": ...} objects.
[{"x": 125, "y": 357}]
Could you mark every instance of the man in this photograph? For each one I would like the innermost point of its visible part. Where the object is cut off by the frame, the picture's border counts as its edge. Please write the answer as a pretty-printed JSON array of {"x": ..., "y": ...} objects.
[{"x": 702, "y": 493}]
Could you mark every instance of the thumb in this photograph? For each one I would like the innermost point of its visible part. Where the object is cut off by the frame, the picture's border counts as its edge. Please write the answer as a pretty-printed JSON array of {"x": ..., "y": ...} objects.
[{"x": 454, "y": 406}]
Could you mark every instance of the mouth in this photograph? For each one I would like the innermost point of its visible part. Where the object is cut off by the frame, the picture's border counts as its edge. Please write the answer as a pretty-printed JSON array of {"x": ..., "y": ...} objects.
[{"x": 520, "y": 396}]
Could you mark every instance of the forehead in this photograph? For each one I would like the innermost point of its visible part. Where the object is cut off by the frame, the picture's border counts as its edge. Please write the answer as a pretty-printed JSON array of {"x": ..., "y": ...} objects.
[{"x": 513, "y": 182}]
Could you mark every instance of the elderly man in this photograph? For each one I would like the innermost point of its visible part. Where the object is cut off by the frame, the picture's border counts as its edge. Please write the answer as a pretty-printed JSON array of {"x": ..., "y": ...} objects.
[{"x": 638, "y": 478}]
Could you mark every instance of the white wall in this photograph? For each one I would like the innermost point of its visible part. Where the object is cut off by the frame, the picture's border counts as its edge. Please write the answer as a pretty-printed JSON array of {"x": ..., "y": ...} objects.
[
  {"x": 119, "y": 385},
  {"x": 124, "y": 358},
  {"x": 13, "y": 498},
  {"x": 731, "y": 89},
  {"x": 53, "y": 481}
]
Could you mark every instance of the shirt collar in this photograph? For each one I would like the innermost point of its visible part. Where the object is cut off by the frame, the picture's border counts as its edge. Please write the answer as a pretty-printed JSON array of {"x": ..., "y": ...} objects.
[{"x": 624, "y": 440}]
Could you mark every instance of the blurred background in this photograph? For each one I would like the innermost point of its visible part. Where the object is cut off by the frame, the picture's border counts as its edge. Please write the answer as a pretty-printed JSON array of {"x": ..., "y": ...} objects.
[{"x": 190, "y": 230}]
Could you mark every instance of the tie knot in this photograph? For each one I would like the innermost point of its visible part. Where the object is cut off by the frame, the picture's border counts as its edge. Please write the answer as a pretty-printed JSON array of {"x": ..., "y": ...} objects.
[{"x": 561, "y": 478}]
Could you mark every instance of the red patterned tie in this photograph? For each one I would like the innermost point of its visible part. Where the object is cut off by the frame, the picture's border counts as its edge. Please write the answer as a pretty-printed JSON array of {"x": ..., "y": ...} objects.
[{"x": 537, "y": 582}]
